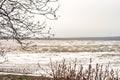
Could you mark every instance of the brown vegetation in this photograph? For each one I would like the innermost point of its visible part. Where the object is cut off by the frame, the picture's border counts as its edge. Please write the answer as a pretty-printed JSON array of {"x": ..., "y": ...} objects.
[{"x": 70, "y": 72}]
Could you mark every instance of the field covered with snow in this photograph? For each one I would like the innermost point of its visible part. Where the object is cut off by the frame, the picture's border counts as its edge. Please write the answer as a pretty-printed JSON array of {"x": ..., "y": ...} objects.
[{"x": 35, "y": 58}]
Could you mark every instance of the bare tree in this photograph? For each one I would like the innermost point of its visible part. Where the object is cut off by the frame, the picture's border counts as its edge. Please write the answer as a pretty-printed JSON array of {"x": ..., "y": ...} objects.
[{"x": 17, "y": 18}]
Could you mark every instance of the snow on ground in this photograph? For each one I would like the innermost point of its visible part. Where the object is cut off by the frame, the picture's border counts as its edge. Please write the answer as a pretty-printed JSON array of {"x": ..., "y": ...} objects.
[
  {"x": 41, "y": 51},
  {"x": 28, "y": 62}
]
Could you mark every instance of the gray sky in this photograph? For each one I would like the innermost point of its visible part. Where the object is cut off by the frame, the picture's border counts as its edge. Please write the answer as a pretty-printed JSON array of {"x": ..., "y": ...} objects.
[{"x": 88, "y": 18}]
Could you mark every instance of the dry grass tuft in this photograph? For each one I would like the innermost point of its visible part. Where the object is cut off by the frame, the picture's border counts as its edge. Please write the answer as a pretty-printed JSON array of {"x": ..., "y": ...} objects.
[{"x": 70, "y": 72}]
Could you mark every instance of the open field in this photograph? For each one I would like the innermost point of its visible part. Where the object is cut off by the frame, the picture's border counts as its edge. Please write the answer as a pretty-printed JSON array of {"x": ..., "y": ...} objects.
[
  {"x": 39, "y": 52},
  {"x": 22, "y": 77},
  {"x": 55, "y": 46}
]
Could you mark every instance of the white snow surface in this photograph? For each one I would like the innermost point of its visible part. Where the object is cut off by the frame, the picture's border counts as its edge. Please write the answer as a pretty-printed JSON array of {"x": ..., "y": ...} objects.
[
  {"x": 28, "y": 62},
  {"x": 23, "y": 62}
]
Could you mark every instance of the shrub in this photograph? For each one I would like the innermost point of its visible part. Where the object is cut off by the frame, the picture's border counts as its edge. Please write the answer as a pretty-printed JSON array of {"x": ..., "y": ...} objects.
[{"x": 66, "y": 71}]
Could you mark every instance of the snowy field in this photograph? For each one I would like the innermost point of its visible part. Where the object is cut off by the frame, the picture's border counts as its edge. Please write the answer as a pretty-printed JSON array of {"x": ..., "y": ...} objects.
[{"x": 41, "y": 51}]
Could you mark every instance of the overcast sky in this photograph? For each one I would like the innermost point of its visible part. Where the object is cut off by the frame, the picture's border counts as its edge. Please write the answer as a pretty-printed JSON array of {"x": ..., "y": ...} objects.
[{"x": 88, "y": 18}]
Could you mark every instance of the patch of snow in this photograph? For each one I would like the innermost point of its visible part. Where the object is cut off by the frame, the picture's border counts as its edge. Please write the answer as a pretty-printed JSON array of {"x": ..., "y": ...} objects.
[
  {"x": 29, "y": 61},
  {"x": 2, "y": 59}
]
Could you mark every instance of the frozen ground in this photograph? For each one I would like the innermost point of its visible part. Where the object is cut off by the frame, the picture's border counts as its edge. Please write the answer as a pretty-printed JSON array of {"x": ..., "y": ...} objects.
[{"x": 26, "y": 62}]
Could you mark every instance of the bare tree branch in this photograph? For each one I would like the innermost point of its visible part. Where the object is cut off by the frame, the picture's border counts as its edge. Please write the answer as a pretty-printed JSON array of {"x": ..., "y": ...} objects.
[{"x": 18, "y": 18}]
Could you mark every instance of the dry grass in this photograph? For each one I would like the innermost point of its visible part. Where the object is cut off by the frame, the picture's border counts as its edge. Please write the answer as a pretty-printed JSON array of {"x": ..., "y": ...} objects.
[
  {"x": 70, "y": 72},
  {"x": 23, "y": 77}
]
